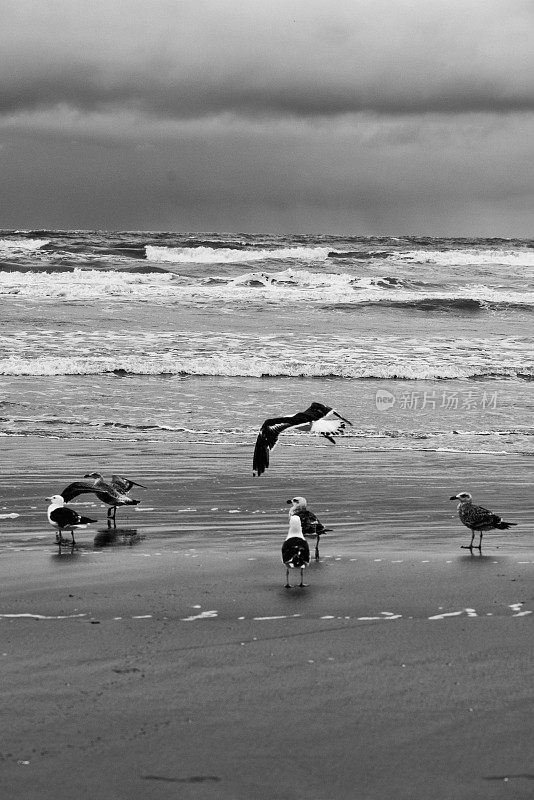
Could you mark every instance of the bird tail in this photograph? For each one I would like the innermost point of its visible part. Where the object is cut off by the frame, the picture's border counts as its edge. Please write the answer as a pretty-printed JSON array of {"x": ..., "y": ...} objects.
[
  {"x": 503, "y": 526},
  {"x": 87, "y": 520}
]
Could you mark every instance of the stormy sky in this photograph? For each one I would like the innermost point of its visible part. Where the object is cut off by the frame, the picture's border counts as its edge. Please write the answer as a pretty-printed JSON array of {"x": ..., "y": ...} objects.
[{"x": 334, "y": 116}]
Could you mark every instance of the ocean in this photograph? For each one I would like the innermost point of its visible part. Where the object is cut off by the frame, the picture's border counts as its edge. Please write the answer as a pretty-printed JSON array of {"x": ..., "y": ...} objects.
[{"x": 159, "y": 355}]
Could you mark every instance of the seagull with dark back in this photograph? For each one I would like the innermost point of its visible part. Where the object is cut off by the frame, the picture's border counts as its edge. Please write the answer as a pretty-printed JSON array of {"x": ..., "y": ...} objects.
[
  {"x": 64, "y": 518},
  {"x": 478, "y": 519},
  {"x": 318, "y": 419},
  {"x": 311, "y": 526},
  {"x": 113, "y": 493},
  {"x": 295, "y": 551}
]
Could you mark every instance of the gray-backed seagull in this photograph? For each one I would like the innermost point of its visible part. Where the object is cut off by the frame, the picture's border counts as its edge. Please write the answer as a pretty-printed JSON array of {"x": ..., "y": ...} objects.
[
  {"x": 113, "y": 493},
  {"x": 478, "y": 518},
  {"x": 311, "y": 526}
]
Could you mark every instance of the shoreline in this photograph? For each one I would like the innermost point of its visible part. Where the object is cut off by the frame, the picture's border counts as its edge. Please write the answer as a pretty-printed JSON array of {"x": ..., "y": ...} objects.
[{"x": 174, "y": 669}]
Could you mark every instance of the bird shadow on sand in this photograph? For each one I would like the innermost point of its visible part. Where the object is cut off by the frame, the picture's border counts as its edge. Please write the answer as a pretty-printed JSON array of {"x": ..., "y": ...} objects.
[{"x": 476, "y": 559}]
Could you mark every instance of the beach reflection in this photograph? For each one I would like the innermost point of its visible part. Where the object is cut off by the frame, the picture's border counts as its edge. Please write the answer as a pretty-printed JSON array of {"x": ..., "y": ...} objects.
[{"x": 117, "y": 537}]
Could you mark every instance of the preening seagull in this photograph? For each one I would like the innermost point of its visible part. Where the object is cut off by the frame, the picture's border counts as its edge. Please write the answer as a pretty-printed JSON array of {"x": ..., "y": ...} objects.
[
  {"x": 65, "y": 518},
  {"x": 295, "y": 550},
  {"x": 112, "y": 494},
  {"x": 311, "y": 527},
  {"x": 317, "y": 418},
  {"x": 478, "y": 518}
]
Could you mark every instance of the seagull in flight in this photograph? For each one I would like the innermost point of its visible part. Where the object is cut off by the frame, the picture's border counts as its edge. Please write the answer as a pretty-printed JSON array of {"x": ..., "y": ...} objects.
[
  {"x": 295, "y": 551},
  {"x": 113, "y": 493},
  {"x": 63, "y": 517},
  {"x": 317, "y": 418},
  {"x": 477, "y": 518}
]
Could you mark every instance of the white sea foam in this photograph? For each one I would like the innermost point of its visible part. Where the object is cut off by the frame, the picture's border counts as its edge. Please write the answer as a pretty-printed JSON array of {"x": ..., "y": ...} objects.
[
  {"x": 469, "y": 257},
  {"x": 285, "y": 287},
  {"x": 210, "y": 255},
  {"x": 231, "y": 365},
  {"x": 8, "y": 246}
]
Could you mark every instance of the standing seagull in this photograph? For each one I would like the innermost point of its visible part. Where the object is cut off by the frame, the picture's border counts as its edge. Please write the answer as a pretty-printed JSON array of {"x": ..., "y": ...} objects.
[
  {"x": 477, "y": 518},
  {"x": 112, "y": 494},
  {"x": 316, "y": 419},
  {"x": 62, "y": 517},
  {"x": 295, "y": 550},
  {"x": 311, "y": 527}
]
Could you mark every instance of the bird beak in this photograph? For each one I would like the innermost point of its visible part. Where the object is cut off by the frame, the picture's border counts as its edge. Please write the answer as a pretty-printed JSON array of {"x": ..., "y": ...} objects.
[
  {"x": 138, "y": 484},
  {"x": 48, "y": 498},
  {"x": 343, "y": 418},
  {"x": 454, "y": 497},
  {"x": 289, "y": 502}
]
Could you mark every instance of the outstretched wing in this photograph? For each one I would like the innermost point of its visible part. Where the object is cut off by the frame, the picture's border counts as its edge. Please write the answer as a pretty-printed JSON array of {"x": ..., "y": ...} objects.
[
  {"x": 77, "y": 488},
  {"x": 330, "y": 425},
  {"x": 268, "y": 437},
  {"x": 123, "y": 484}
]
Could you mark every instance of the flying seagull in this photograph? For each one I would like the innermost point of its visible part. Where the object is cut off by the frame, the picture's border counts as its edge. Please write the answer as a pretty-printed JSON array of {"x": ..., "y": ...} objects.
[
  {"x": 63, "y": 517},
  {"x": 316, "y": 419},
  {"x": 112, "y": 494},
  {"x": 311, "y": 527},
  {"x": 478, "y": 518},
  {"x": 295, "y": 550}
]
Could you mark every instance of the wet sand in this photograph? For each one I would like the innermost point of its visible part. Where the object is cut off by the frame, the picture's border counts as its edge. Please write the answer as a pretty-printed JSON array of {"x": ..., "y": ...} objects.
[{"x": 165, "y": 659}]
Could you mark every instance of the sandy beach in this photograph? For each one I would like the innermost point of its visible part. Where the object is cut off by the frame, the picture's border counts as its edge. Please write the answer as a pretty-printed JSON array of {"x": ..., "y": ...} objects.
[{"x": 165, "y": 658}]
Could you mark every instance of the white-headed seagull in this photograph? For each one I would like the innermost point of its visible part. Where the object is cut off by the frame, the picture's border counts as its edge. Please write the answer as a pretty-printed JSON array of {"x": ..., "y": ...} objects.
[
  {"x": 317, "y": 419},
  {"x": 295, "y": 551},
  {"x": 478, "y": 518},
  {"x": 64, "y": 518}
]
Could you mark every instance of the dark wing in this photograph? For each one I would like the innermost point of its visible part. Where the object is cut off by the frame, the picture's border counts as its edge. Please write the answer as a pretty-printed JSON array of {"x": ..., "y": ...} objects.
[
  {"x": 65, "y": 517},
  {"x": 268, "y": 437},
  {"x": 310, "y": 524},
  {"x": 296, "y": 551},
  {"x": 124, "y": 484},
  {"x": 478, "y": 516},
  {"x": 75, "y": 489}
]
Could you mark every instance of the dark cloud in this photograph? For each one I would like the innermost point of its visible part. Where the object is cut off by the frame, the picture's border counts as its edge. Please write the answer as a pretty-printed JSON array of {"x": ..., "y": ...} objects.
[
  {"x": 280, "y": 58},
  {"x": 363, "y": 116}
]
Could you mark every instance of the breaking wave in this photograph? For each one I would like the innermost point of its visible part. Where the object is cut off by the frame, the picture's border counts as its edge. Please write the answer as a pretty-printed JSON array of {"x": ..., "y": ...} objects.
[
  {"x": 328, "y": 289},
  {"x": 225, "y": 255},
  {"x": 256, "y": 366}
]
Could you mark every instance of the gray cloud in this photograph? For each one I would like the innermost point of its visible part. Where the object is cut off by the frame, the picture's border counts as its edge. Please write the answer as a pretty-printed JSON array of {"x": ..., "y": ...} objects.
[{"x": 291, "y": 58}]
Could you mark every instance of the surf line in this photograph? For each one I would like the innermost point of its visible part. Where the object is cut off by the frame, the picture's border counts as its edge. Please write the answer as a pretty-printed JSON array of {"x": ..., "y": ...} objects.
[{"x": 40, "y": 616}]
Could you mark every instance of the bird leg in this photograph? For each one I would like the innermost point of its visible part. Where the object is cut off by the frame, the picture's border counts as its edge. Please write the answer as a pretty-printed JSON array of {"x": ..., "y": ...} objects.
[
  {"x": 302, "y": 584},
  {"x": 479, "y": 548},
  {"x": 72, "y": 534},
  {"x": 287, "y": 584},
  {"x": 317, "y": 548}
]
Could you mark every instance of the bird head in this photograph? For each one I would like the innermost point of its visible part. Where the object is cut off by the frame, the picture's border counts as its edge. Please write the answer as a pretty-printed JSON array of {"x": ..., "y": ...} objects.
[
  {"x": 297, "y": 502},
  {"x": 56, "y": 500},
  {"x": 95, "y": 475},
  {"x": 463, "y": 497}
]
